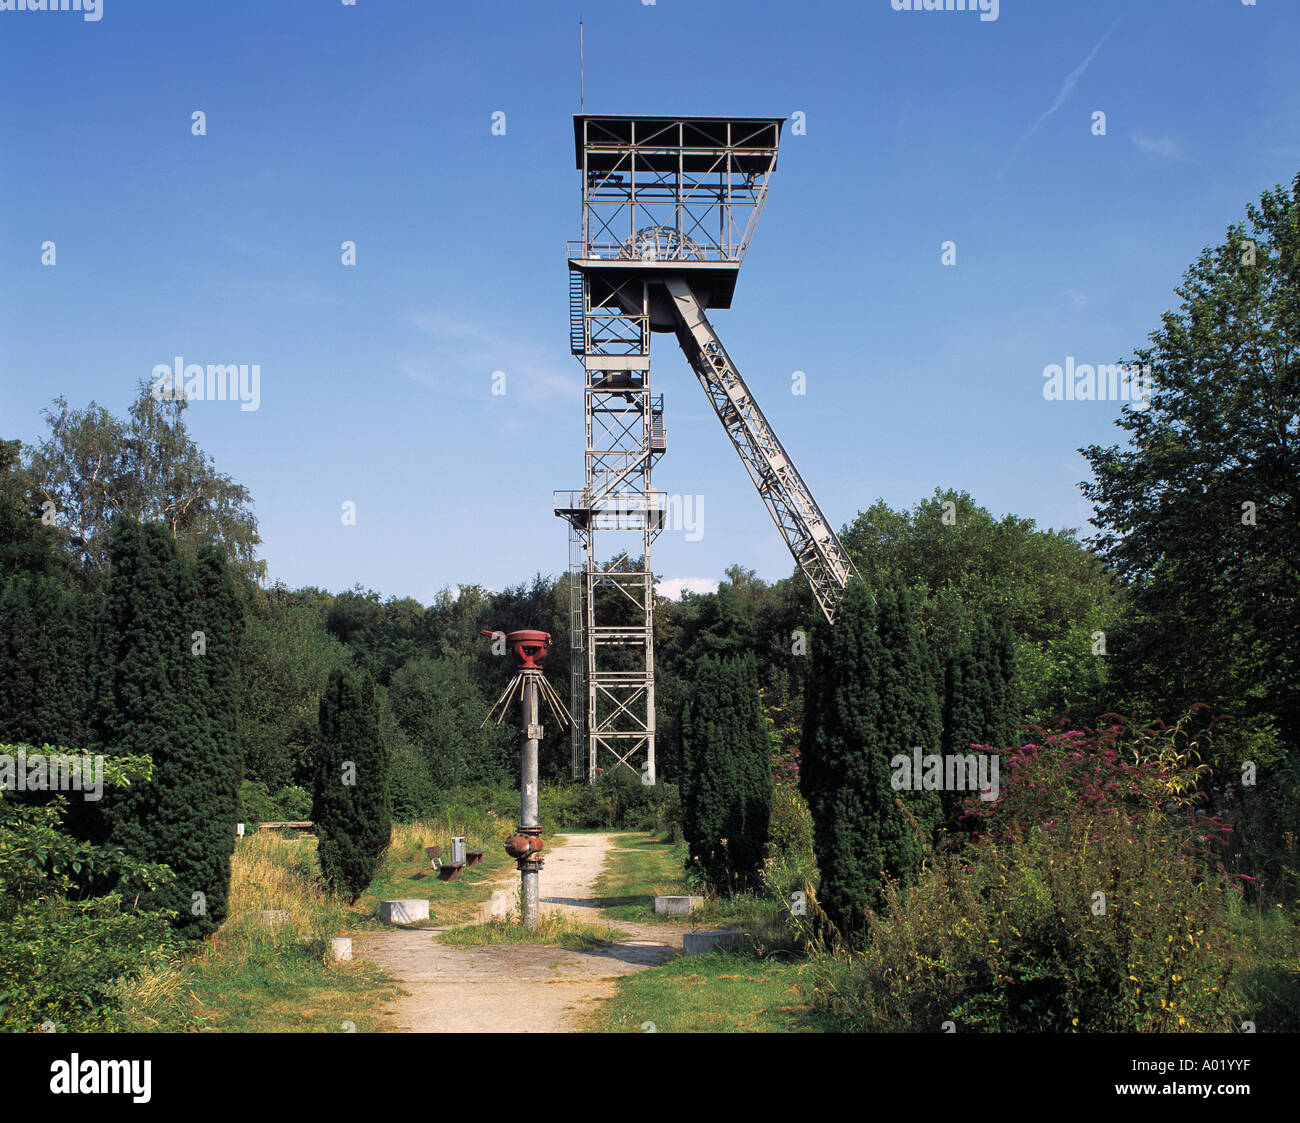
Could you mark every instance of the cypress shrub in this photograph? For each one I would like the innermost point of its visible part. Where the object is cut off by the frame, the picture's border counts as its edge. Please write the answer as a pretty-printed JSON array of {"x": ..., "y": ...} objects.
[
  {"x": 979, "y": 703},
  {"x": 726, "y": 787},
  {"x": 871, "y": 696},
  {"x": 163, "y": 690},
  {"x": 46, "y": 633},
  {"x": 351, "y": 803}
]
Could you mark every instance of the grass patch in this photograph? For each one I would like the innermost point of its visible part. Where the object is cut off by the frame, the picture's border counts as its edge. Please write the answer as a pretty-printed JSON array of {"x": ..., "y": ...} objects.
[
  {"x": 721, "y": 992},
  {"x": 641, "y": 867},
  {"x": 554, "y": 929},
  {"x": 407, "y": 872},
  {"x": 250, "y": 977},
  {"x": 638, "y": 868}
]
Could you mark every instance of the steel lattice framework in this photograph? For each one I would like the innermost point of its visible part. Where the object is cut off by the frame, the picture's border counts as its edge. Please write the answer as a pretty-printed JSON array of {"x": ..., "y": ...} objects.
[{"x": 669, "y": 205}]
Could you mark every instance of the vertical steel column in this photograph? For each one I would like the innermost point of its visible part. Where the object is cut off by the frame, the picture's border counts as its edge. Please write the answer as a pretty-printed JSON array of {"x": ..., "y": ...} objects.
[{"x": 530, "y": 733}]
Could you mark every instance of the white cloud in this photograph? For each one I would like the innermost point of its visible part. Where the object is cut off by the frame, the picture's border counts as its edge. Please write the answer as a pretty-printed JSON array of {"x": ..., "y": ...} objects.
[
  {"x": 1166, "y": 148},
  {"x": 674, "y": 587},
  {"x": 464, "y": 354},
  {"x": 1067, "y": 88}
]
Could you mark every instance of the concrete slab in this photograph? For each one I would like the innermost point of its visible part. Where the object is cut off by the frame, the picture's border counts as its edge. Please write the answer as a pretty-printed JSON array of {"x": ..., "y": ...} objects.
[
  {"x": 694, "y": 943},
  {"x": 405, "y": 911},
  {"x": 677, "y": 906}
]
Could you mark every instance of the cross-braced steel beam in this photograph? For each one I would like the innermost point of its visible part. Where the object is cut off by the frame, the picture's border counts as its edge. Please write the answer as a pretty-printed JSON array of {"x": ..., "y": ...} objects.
[{"x": 816, "y": 548}]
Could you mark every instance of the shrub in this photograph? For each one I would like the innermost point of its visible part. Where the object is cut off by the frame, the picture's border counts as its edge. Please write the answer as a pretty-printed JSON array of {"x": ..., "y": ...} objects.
[
  {"x": 351, "y": 805},
  {"x": 255, "y": 803},
  {"x": 617, "y": 800},
  {"x": 726, "y": 773},
  {"x": 293, "y": 803},
  {"x": 871, "y": 695},
  {"x": 69, "y": 927},
  {"x": 791, "y": 865},
  {"x": 166, "y": 656},
  {"x": 1014, "y": 937},
  {"x": 413, "y": 790},
  {"x": 1265, "y": 842},
  {"x": 1093, "y": 899}
]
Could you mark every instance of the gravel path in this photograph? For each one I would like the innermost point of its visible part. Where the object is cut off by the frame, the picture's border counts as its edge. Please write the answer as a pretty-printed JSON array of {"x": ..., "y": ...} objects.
[{"x": 504, "y": 988}]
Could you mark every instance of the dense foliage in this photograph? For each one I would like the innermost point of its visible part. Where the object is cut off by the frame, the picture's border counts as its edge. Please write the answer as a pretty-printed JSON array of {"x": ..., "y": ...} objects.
[
  {"x": 1200, "y": 514},
  {"x": 164, "y": 686},
  {"x": 726, "y": 776},
  {"x": 351, "y": 803},
  {"x": 71, "y": 923},
  {"x": 872, "y": 694},
  {"x": 1085, "y": 906}
]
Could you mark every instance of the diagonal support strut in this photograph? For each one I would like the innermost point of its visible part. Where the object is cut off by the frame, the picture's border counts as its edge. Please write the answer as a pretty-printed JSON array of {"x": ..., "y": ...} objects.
[{"x": 816, "y": 548}]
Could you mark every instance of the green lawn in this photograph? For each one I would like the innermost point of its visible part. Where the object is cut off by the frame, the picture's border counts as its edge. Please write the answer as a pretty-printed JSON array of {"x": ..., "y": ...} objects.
[
  {"x": 721, "y": 992},
  {"x": 640, "y": 868},
  {"x": 726, "y": 991}
]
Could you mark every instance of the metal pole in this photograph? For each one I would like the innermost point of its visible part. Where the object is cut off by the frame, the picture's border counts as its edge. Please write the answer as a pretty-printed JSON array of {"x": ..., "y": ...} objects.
[{"x": 529, "y": 734}]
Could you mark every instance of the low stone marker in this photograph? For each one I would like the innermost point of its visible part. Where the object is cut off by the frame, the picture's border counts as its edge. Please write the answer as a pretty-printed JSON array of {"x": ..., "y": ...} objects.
[
  {"x": 677, "y": 906},
  {"x": 405, "y": 911},
  {"x": 342, "y": 948},
  {"x": 693, "y": 943},
  {"x": 497, "y": 908}
]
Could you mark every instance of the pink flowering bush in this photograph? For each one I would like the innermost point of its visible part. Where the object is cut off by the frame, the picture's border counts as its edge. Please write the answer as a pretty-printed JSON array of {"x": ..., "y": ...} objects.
[{"x": 1090, "y": 898}]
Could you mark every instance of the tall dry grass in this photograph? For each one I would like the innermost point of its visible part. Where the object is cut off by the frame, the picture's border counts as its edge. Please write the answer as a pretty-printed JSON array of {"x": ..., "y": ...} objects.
[{"x": 268, "y": 871}]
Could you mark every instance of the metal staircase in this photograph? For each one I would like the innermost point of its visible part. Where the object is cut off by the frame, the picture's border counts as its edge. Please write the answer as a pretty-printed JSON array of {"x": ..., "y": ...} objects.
[{"x": 577, "y": 312}]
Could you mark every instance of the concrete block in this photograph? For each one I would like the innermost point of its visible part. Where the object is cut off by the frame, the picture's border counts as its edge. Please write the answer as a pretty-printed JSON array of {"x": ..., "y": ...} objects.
[
  {"x": 406, "y": 911},
  {"x": 693, "y": 943},
  {"x": 677, "y": 906},
  {"x": 342, "y": 948},
  {"x": 498, "y": 908}
]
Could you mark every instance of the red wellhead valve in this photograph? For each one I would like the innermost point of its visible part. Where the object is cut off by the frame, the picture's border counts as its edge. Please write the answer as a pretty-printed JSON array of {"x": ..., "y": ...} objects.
[{"x": 527, "y": 645}]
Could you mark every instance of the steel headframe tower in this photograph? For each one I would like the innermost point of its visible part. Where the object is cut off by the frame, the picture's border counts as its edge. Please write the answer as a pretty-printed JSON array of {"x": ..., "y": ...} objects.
[{"x": 669, "y": 205}]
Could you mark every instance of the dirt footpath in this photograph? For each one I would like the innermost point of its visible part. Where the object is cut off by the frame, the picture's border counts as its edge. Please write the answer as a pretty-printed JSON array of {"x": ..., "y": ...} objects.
[{"x": 506, "y": 988}]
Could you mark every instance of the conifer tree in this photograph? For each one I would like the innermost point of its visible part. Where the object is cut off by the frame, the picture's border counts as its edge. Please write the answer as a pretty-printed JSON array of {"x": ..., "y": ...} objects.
[
  {"x": 979, "y": 702},
  {"x": 351, "y": 805},
  {"x": 871, "y": 696},
  {"x": 726, "y": 786},
  {"x": 163, "y": 687},
  {"x": 46, "y": 633},
  {"x": 215, "y": 629}
]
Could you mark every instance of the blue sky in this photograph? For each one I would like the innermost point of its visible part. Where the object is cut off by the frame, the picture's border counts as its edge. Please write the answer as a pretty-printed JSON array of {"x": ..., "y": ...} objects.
[{"x": 372, "y": 122}]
